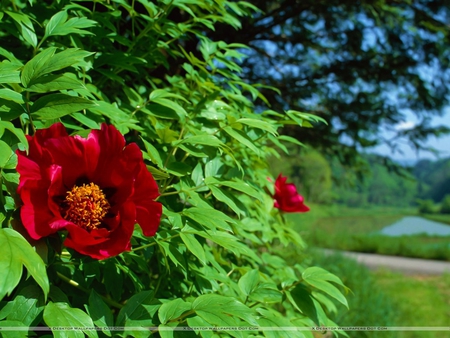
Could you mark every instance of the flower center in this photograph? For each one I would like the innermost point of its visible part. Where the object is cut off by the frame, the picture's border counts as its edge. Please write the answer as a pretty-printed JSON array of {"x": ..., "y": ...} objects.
[{"x": 86, "y": 206}]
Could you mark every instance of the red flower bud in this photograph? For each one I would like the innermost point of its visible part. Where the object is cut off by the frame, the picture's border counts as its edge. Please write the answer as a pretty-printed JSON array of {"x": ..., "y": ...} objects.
[{"x": 287, "y": 198}]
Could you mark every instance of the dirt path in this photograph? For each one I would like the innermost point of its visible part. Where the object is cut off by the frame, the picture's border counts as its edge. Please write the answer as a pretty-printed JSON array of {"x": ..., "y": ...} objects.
[{"x": 401, "y": 264}]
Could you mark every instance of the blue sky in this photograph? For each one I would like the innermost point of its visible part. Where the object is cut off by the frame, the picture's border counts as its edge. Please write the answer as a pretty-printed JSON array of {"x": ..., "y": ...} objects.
[{"x": 409, "y": 154}]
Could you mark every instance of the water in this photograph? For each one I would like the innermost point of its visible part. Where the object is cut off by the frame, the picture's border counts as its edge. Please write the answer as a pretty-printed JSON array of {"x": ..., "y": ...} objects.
[{"x": 413, "y": 225}]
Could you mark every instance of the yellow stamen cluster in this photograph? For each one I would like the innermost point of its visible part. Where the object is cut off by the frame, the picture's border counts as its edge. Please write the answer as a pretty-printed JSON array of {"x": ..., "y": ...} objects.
[{"x": 86, "y": 206}]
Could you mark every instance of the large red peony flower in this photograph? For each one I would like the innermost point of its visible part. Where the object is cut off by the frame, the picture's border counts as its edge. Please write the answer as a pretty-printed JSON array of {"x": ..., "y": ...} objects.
[
  {"x": 96, "y": 188},
  {"x": 287, "y": 198}
]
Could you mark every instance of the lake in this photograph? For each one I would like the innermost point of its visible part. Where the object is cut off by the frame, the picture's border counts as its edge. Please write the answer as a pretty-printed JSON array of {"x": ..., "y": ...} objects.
[{"x": 413, "y": 225}]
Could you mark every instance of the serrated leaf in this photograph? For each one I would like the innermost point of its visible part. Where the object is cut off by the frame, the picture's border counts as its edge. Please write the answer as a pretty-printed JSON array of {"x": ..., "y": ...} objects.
[
  {"x": 15, "y": 252},
  {"x": 58, "y": 315},
  {"x": 173, "y": 309},
  {"x": 54, "y": 106},
  {"x": 194, "y": 246}
]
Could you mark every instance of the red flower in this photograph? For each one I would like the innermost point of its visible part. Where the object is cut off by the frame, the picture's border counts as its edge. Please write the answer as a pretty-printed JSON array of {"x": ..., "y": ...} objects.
[
  {"x": 96, "y": 188},
  {"x": 287, "y": 198}
]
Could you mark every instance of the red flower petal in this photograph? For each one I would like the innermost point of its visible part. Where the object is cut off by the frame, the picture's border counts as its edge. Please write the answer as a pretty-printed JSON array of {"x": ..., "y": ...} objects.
[
  {"x": 58, "y": 163},
  {"x": 287, "y": 198}
]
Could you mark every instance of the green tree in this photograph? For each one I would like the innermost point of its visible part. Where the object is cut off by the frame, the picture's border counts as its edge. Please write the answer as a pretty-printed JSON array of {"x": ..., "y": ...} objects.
[
  {"x": 445, "y": 205},
  {"x": 359, "y": 65}
]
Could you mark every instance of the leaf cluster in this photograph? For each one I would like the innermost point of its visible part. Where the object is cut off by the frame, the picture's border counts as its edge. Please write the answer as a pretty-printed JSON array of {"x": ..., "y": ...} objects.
[{"x": 215, "y": 260}]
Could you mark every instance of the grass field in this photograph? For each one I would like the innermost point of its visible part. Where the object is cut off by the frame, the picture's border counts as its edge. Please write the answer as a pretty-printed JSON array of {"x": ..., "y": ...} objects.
[
  {"x": 343, "y": 228},
  {"x": 384, "y": 298},
  {"x": 421, "y": 301}
]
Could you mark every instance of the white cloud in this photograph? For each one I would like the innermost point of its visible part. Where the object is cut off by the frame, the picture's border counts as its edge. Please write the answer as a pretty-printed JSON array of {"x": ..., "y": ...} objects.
[{"x": 405, "y": 125}]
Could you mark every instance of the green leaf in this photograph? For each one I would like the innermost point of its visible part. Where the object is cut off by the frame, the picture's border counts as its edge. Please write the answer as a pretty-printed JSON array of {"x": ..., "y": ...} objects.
[
  {"x": 272, "y": 319},
  {"x": 59, "y": 25},
  {"x": 54, "y": 106},
  {"x": 179, "y": 110},
  {"x": 26, "y": 27},
  {"x": 194, "y": 246},
  {"x": 100, "y": 313},
  {"x": 236, "y": 185},
  {"x": 27, "y": 305},
  {"x": 58, "y": 315},
  {"x": 178, "y": 169},
  {"x": 15, "y": 252},
  {"x": 5, "y": 153},
  {"x": 226, "y": 198},
  {"x": 139, "y": 310},
  {"x": 319, "y": 278},
  {"x": 242, "y": 138},
  {"x": 9, "y": 72},
  {"x": 10, "y": 110},
  {"x": 303, "y": 301},
  {"x": 11, "y": 95},
  {"x": 47, "y": 61},
  {"x": 13, "y": 334},
  {"x": 52, "y": 83},
  {"x": 206, "y": 139},
  {"x": 210, "y": 218},
  {"x": 260, "y": 124},
  {"x": 86, "y": 120},
  {"x": 266, "y": 293},
  {"x": 248, "y": 282},
  {"x": 173, "y": 309},
  {"x": 152, "y": 153},
  {"x": 16, "y": 131},
  {"x": 215, "y": 308}
]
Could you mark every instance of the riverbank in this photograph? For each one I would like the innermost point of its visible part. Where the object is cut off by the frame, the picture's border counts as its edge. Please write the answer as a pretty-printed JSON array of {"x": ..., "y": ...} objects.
[{"x": 355, "y": 229}]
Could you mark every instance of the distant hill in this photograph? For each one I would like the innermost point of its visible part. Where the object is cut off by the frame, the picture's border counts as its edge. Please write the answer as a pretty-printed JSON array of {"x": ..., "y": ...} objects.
[{"x": 433, "y": 179}]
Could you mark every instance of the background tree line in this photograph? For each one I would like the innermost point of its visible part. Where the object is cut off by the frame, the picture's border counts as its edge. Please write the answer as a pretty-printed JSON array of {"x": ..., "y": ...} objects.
[{"x": 322, "y": 181}]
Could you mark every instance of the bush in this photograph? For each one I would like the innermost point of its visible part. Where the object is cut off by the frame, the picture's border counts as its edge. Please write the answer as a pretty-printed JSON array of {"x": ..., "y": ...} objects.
[
  {"x": 445, "y": 205},
  {"x": 148, "y": 71},
  {"x": 426, "y": 206}
]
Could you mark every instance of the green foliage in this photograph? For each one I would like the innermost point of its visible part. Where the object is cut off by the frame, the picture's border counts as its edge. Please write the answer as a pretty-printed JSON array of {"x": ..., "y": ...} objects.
[
  {"x": 445, "y": 205},
  {"x": 383, "y": 311},
  {"x": 360, "y": 66},
  {"x": 426, "y": 206},
  {"x": 215, "y": 259}
]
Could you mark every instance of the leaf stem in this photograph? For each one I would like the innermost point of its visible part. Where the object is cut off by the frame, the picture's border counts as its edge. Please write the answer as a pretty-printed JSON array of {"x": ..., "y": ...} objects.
[{"x": 79, "y": 287}]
